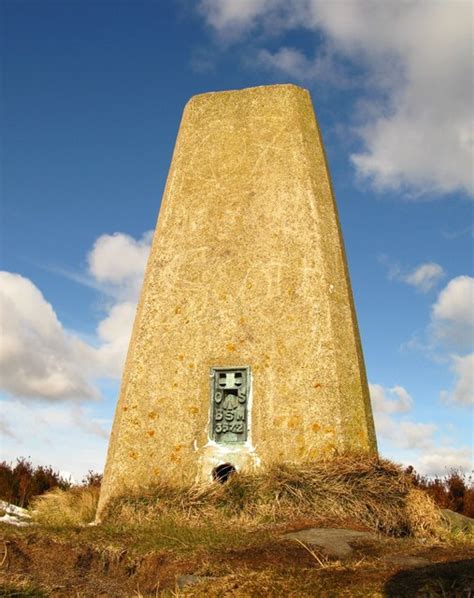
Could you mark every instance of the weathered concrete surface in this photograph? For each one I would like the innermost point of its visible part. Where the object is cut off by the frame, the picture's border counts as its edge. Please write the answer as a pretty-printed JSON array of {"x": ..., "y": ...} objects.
[
  {"x": 334, "y": 542},
  {"x": 247, "y": 268}
]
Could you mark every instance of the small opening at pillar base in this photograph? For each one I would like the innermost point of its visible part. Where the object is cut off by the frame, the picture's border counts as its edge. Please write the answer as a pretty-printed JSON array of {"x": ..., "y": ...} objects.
[{"x": 222, "y": 473}]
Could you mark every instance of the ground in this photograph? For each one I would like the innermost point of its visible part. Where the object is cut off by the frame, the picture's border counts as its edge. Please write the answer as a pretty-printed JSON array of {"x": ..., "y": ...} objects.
[{"x": 104, "y": 561}]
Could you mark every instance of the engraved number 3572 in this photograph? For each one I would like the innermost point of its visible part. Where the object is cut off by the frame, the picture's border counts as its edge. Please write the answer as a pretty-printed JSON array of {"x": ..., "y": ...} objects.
[{"x": 237, "y": 428}]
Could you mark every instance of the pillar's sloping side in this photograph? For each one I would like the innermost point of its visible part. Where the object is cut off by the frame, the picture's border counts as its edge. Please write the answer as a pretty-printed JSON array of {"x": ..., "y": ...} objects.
[{"x": 247, "y": 268}]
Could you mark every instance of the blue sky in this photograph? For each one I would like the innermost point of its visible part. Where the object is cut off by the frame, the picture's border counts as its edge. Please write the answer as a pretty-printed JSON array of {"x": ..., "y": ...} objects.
[{"x": 92, "y": 96}]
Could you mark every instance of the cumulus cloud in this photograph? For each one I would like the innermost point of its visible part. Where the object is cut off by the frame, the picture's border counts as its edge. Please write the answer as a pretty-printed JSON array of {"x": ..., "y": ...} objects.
[
  {"x": 415, "y": 435},
  {"x": 441, "y": 460},
  {"x": 416, "y": 442},
  {"x": 452, "y": 315},
  {"x": 39, "y": 359},
  {"x": 50, "y": 375},
  {"x": 66, "y": 435},
  {"x": 232, "y": 18},
  {"x": 391, "y": 400},
  {"x": 296, "y": 64},
  {"x": 417, "y": 134},
  {"x": 388, "y": 404},
  {"x": 118, "y": 262},
  {"x": 449, "y": 337},
  {"x": 44, "y": 420},
  {"x": 424, "y": 277},
  {"x": 114, "y": 333},
  {"x": 463, "y": 391}
]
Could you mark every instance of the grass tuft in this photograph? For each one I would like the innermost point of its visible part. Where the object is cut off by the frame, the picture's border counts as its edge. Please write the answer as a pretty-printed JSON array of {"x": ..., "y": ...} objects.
[
  {"x": 372, "y": 492},
  {"x": 73, "y": 507},
  {"x": 21, "y": 589}
]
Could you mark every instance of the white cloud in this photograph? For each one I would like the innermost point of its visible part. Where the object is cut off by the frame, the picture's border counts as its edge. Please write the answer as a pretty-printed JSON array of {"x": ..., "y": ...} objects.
[
  {"x": 64, "y": 435},
  {"x": 415, "y": 435},
  {"x": 42, "y": 421},
  {"x": 416, "y": 443},
  {"x": 231, "y": 18},
  {"x": 38, "y": 358},
  {"x": 418, "y": 134},
  {"x": 463, "y": 392},
  {"x": 391, "y": 400},
  {"x": 114, "y": 332},
  {"x": 388, "y": 404},
  {"x": 41, "y": 361},
  {"x": 289, "y": 61},
  {"x": 453, "y": 313},
  {"x": 424, "y": 277},
  {"x": 449, "y": 334},
  {"x": 441, "y": 460},
  {"x": 119, "y": 261},
  {"x": 294, "y": 63}
]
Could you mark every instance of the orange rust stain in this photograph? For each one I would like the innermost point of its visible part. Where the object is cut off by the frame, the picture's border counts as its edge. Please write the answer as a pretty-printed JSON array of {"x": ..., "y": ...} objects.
[
  {"x": 293, "y": 421},
  {"x": 315, "y": 427},
  {"x": 181, "y": 357},
  {"x": 317, "y": 385},
  {"x": 231, "y": 347},
  {"x": 133, "y": 455},
  {"x": 151, "y": 433}
]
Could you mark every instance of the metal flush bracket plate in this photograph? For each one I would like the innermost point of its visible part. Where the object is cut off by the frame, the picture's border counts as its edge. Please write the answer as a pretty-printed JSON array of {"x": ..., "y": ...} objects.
[{"x": 230, "y": 391}]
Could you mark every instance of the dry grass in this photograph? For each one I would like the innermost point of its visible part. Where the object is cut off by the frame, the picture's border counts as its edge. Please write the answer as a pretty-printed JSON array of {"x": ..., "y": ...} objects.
[
  {"x": 373, "y": 492},
  {"x": 58, "y": 508}
]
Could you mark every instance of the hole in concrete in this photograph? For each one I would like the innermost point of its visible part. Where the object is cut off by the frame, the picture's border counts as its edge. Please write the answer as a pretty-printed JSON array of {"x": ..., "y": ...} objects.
[{"x": 222, "y": 473}]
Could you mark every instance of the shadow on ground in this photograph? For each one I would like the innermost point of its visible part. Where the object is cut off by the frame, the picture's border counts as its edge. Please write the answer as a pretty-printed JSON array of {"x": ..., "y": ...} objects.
[{"x": 453, "y": 580}]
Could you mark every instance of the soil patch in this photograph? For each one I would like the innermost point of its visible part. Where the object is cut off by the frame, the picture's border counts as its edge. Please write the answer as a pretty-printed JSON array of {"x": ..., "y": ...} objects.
[{"x": 40, "y": 562}]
